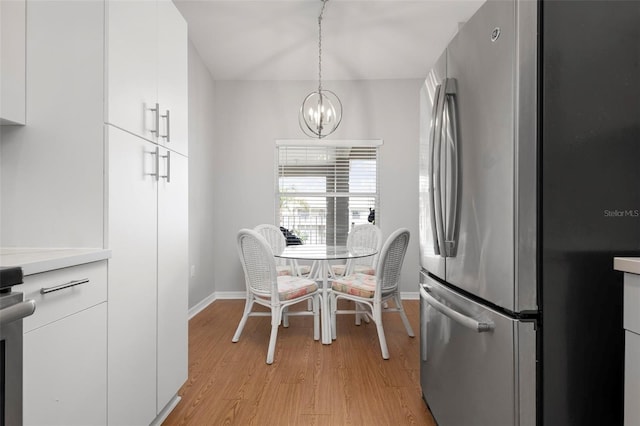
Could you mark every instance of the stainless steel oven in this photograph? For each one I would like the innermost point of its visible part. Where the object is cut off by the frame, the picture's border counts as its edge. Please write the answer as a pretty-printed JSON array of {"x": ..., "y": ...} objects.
[{"x": 12, "y": 310}]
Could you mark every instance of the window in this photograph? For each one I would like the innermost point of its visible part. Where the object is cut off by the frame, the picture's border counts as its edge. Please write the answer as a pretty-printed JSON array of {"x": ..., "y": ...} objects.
[{"x": 324, "y": 188}]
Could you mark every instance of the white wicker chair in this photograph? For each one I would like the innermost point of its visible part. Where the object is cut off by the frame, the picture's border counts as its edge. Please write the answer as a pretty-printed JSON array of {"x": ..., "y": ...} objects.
[
  {"x": 278, "y": 243},
  {"x": 277, "y": 292},
  {"x": 365, "y": 235},
  {"x": 372, "y": 292}
]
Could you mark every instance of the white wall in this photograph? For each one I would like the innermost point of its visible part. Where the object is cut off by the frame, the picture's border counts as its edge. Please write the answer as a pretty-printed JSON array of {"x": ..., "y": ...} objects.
[
  {"x": 202, "y": 199},
  {"x": 52, "y": 169},
  {"x": 250, "y": 116}
]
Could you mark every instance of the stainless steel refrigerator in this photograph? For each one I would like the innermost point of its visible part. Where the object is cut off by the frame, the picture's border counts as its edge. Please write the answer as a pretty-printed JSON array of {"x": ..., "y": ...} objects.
[{"x": 529, "y": 187}]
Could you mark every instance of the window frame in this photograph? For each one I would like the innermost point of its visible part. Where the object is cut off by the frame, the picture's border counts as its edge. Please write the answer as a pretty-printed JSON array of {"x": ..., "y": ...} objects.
[{"x": 373, "y": 144}]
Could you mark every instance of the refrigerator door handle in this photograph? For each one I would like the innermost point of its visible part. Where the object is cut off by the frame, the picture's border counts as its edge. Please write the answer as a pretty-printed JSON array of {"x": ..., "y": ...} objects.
[
  {"x": 432, "y": 143},
  {"x": 461, "y": 319},
  {"x": 423, "y": 324},
  {"x": 451, "y": 109},
  {"x": 437, "y": 170}
]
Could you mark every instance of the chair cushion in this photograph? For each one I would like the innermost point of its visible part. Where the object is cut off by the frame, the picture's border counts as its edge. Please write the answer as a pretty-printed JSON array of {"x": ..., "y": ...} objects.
[
  {"x": 364, "y": 269},
  {"x": 304, "y": 269},
  {"x": 287, "y": 270},
  {"x": 359, "y": 269},
  {"x": 357, "y": 284},
  {"x": 283, "y": 270},
  {"x": 290, "y": 287},
  {"x": 338, "y": 270}
]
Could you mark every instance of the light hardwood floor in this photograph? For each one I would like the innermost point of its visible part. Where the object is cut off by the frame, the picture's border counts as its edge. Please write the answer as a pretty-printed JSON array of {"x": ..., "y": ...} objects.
[{"x": 345, "y": 383}]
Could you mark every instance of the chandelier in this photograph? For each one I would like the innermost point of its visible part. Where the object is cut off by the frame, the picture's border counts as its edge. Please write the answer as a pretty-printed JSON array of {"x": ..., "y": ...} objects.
[{"x": 321, "y": 111}]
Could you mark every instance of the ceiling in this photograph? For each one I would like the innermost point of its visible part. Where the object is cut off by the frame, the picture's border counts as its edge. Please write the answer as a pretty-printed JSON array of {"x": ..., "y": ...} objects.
[{"x": 361, "y": 39}]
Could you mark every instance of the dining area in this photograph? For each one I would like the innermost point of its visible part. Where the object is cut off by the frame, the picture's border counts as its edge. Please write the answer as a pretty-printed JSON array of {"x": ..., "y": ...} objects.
[
  {"x": 307, "y": 346},
  {"x": 364, "y": 273},
  {"x": 308, "y": 383}
]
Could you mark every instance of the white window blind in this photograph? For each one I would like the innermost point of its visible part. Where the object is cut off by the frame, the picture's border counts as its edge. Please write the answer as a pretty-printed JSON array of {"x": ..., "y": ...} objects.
[{"x": 324, "y": 188}]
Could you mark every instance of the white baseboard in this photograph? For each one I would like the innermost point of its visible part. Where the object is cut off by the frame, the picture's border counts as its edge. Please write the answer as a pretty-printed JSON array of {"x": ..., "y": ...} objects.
[
  {"x": 166, "y": 411},
  {"x": 410, "y": 295},
  {"x": 230, "y": 295},
  {"x": 201, "y": 305},
  {"x": 218, "y": 295}
]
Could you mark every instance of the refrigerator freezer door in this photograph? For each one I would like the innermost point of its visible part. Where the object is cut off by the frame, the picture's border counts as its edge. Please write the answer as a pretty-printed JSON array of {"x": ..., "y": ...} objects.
[
  {"x": 481, "y": 60},
  {"x": 477, "y": 365},
  {"x": 430, "y": 258}
]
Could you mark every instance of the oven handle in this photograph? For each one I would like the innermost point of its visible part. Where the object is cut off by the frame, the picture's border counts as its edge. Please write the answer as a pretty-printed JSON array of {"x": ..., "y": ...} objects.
[
  {"x": 17, "y": 312},
  {"x": 464, "y": 320}
]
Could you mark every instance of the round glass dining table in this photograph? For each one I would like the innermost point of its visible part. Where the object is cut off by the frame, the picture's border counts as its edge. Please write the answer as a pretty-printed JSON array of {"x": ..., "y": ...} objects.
[{"x": 321, "y": 256}]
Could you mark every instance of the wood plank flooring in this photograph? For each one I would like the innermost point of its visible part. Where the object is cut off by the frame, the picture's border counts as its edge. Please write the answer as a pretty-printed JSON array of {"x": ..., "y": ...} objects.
[{"x": 345, "y": 383}]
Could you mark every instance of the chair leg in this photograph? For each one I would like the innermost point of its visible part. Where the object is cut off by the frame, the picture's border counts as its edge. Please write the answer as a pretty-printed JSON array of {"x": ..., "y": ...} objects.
[
  {"x": 316, "y": 316},
  {"x": 285, "y": 317},
  {"x": 403, "y": 315},
  {"x": 377, "y": 318},
  {"x": 247, "y": 309},
  {"x": 363, "y": 313},
  {"x": 275, "y": 323},
  {"x": 333, "y": 308},
  {"x": 358, "y": 309}
]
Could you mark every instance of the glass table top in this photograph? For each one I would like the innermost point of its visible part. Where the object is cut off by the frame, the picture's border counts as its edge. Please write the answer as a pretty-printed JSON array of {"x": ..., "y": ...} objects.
[{"x": 324, "y": 252}]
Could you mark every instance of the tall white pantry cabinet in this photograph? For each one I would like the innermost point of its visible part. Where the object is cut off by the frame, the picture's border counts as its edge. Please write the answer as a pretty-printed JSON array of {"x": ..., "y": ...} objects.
[
  {"x": 99, "y": 163},
  {"x": 146, "y": 63}
]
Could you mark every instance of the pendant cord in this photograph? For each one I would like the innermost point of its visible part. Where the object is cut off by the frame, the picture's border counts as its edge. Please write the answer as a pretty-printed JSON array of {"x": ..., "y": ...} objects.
[
  {"x": 324, "y": 3},
  {"x": 321, "y": 111}
]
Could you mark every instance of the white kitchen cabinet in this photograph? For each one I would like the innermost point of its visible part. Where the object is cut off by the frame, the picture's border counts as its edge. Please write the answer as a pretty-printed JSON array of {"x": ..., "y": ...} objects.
[
  {"x": 132, "y": 237},
  {"x": 148, "y": 288},
  {"x": 631, "y": 322},
  {"x": 65, "y": 374},
  {"x": 12, "y": 61},
  {"x": 82, "y": 182},
  {"x": 65, "y": 347},
  {"x": 173, "y": 77},
  {"x": 173, "y": 273},
  {"x": 147, "y": 226},
  {"x": 147, "y": 73},
  {"x": 631, "y": 378},
  {"x": 132, "y": 35}
]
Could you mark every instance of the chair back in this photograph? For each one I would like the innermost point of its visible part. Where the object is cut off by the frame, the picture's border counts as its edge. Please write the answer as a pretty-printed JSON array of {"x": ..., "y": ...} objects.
[
  {"x": 368, "y": 236},
  {"x": 258, "y": 263},
  {"x": 391, "y": 259},
  {"x": 274, "y": 237}
]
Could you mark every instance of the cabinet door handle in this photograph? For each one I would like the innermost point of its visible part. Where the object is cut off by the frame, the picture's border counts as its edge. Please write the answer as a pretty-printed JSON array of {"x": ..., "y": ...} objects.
[
  {"x": 168, "y": 135},
  {"x": 156, "y": 164},
  {"x": 156, "y": 119},
  {"x": 168, "y": 175},
  {"x": 45, "y": 290}
]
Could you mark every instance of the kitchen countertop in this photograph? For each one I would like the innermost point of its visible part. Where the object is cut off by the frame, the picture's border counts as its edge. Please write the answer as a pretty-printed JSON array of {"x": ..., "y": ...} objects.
[
  {"x": 36, "y": 260},
  {"x": 627, "y": 264}
]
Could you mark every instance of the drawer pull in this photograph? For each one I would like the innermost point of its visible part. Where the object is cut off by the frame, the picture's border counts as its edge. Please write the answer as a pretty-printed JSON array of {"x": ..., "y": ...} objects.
[{"x": 63, "y": 286}]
